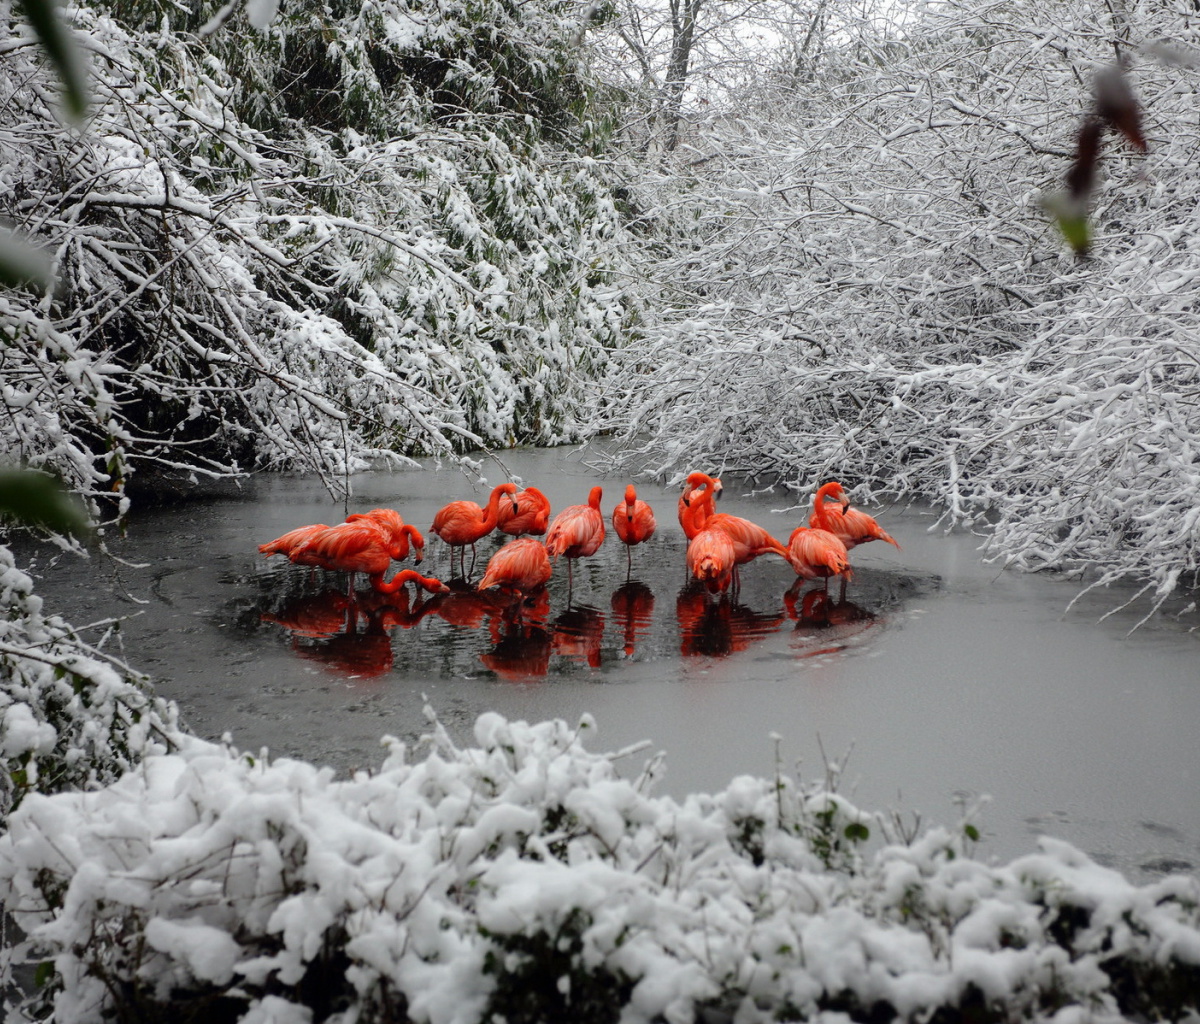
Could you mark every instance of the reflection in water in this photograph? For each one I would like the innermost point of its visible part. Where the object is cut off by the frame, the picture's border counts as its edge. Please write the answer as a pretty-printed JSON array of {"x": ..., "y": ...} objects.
[
  {"x": 825, "y": 625},
  {"x": 348, "y": 634},
  {"x": 633, "y": 611},
  {"x": 579, "y": 634},
  {"x": 521, "y": 642},
  {"x": 719, "y": 627}
]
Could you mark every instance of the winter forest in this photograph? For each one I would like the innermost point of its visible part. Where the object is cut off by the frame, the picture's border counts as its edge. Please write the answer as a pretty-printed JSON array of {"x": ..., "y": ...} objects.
[{"x": 946, "y": 252}]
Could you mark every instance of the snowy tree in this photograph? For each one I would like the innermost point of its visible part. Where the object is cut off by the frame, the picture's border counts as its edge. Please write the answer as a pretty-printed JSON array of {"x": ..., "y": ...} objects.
[{"x": 865, "y": 284}]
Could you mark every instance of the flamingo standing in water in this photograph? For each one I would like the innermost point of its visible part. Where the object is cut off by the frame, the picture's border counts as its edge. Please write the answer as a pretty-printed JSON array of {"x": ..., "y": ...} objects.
[
  {"x": 358, "y": 546},
  {"x": 692, "y": 510},
  {"x": 521, "y": 564},
  {"x": 577, "y": 531},
  {"x": 749, "y": 539},
  {"x": 711, "y": 559},
  {"x": 463, "y": 522},
  {"x": 633, "y": 519},
  {"x": 816, "y": 554},
  {"x": 531, "y": 515},
  {"x": 832, "y": 512}
]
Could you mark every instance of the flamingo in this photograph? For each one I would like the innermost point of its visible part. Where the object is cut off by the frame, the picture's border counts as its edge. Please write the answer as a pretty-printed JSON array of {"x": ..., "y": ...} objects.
[
  {"x": 711, "y": 559},
  {"x": 463, "y": 522},
  {"x": 358, "y": 546},
  {"x": 816, "y": 553},
  {"x": 691, "y": 509},
  {"x": 426, "y": 583},
  {"x": 531, "y": 515},
  {"x": 749, "y": 539},
  {"x": 832, "y": 512},
  {"x": 633, "y": 520},
  {"x": 388, "y": 519},
  {"x": 521, "y": 564},
  {"x": 577, "y": 531}
]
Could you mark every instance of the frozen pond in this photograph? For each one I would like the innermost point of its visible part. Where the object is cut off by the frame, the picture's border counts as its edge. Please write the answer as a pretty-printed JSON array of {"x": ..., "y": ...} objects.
[{"x": 941, "y": 678}]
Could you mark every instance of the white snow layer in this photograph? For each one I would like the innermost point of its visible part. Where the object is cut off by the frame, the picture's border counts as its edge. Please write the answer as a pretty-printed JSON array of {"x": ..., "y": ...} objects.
[{"x": 439, "y": 884}]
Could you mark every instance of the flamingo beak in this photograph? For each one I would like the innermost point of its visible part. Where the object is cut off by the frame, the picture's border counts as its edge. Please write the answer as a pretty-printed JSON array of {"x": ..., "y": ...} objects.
[{"x": 845, "y": 505}]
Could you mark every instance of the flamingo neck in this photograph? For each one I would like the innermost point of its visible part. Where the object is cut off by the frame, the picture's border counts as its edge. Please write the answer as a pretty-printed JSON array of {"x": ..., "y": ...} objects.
[
  {"x": 819, "y": 499},
  {"x": 492, "y": 514}
]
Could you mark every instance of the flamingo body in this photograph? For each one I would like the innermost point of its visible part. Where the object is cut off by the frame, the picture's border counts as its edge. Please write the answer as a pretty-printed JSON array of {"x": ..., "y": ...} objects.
[
  {"x": 521, "y": 564},
  {"x": 404, "y": 534},
  {"x": 711, "y": 559},
  {"x": 290, "y": 541},
  {"x": 832, "y": 512},
  {"x": 816, "y": 554},
  {"x": 531, "y": 515},
  {"x": 359, "y": 546},
  {"x": 578, "y": 530},
  {"x": 633, "y": 519}
]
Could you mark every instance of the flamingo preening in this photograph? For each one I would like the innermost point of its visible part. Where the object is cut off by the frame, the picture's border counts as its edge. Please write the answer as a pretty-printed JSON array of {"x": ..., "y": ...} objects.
[{"x": 832, "y": 512}]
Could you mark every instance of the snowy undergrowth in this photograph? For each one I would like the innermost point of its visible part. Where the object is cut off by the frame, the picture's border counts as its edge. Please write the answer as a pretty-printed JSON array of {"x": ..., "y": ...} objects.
[
  {"x": 70, "y": 715},
  {"x": 522, "y": 879}
]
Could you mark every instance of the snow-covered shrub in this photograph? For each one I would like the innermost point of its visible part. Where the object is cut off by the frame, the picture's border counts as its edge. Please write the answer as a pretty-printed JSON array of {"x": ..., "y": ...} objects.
[
  {"x": 361, "y": 270},
  {"x": 867, "y": 287},
  {"x": 70, "y": 716},
  {"x": 523, "y": 878}
]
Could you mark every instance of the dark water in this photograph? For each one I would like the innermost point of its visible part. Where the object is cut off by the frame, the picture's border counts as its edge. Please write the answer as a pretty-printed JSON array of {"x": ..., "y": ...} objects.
[{"x": 936, "y": 680}]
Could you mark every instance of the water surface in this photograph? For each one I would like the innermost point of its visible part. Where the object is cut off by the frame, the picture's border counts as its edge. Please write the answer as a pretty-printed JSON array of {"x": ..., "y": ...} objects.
[{"x": 938, "y": 679}]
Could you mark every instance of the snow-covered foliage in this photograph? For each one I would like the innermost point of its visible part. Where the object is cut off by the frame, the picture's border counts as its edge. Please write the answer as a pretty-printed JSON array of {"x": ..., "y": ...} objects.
[
  {"x": 70, "y": 716},
  {"x": 867, "y": 286},
  {"x": 523, "y": 879},
  {"x": 367, "y": 232}
]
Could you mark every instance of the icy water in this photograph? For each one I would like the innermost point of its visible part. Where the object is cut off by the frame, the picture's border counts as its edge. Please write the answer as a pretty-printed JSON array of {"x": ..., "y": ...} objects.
[{"x": 937, "y": 680}]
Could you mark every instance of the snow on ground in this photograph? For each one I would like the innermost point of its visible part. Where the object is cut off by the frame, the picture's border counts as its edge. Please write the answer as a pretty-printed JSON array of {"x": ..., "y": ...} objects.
[{"x": 524, "y": 878}]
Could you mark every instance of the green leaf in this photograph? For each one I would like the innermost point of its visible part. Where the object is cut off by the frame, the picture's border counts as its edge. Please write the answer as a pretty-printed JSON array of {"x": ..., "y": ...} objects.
[
  {"x": 856, "y": 831},
  {"x": 971, "y": 832},
  {"x": 63, "y": 51},
  {"x": 21, "y": 265},
  {"x": 36, "y": 499},
  {"x": 43, "y": 974}
]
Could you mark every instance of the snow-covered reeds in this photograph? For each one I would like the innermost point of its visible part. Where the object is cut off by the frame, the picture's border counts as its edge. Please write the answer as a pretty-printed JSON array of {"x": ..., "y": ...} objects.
[
  {"x": 864, "y": 285},
  {"x": 524, "y": 878}
]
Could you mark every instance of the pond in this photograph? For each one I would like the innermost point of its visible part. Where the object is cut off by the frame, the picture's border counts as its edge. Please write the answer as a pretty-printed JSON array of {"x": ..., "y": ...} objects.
[{"x": 937, "y": 680}]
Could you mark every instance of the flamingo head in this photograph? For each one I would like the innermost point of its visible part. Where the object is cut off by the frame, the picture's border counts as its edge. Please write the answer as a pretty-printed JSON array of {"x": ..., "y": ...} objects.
[
  {"x": 630, "y": 495},
  {"x": 594, "y": 497},
  {"x": 833, "y": 491}
]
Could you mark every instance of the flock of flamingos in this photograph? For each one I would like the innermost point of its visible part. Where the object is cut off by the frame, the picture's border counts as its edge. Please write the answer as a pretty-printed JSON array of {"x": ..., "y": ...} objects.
[{"x": 718, "y": 543}]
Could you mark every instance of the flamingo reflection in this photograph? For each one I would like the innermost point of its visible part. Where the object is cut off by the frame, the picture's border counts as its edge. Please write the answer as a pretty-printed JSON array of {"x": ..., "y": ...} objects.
[
  {"x": 721, "y": 627},
  {"x": 522, "y": 642},
  {"x": 633, "y": 609},
  {"x": 579, "y": 634},
  {"x": 324, "y": 627},
  {"x": 825, "y": 625}
]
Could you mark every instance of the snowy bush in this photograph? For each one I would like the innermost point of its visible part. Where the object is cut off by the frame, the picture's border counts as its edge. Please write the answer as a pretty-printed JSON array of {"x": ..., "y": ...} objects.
[
  {"x": 524, "y": 879},
  {"x": 865, "y": 285},
  {"x": 70, "y": 716}
]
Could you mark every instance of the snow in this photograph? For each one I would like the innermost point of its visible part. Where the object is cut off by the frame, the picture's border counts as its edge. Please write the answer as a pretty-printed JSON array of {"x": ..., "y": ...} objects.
[{"x": 436, "y": 871}]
